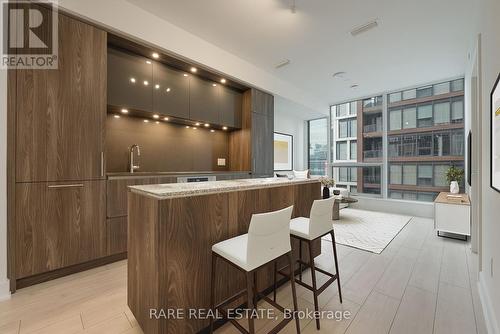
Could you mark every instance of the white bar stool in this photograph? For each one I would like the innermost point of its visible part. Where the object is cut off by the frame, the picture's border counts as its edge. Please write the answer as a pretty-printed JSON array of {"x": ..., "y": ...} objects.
[
  {"x": 309, "y": 230},
  {"x": 268, "y": 239}
]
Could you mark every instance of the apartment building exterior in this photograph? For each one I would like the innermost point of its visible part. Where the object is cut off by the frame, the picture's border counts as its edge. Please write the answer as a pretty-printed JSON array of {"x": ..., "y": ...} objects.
[{"x": 404, "y": 141}]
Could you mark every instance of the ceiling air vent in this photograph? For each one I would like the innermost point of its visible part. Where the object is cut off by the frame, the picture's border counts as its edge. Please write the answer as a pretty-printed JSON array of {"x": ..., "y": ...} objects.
[
  {"x": 364, "y": 28},
  {"x": 282, "y": 63}
]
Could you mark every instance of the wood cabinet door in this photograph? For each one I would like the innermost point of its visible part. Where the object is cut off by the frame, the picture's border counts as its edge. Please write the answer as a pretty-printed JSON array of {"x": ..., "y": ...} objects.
[
  {"x": 230, "y": 107},
  {"x": 130, "y": 81},
  {"x": 203, "y": 101},
  {"x": 170, "y": 92},
  {"x": 262, "y": 145},
  {"x": 116, "y": 239},
  {"x": 58, "y": 225},
  {"x": 262, "y": 103},
  {"x": 61, "y": 113}
]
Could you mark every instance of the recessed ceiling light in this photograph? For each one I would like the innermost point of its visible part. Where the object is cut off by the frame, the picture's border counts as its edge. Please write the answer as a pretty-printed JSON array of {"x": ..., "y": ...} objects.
[
  {"x": 155, "y": 55},
  {"x": 166, "y": 119},
  {"x": 212, "y": 130},
  {"x": 223, "y": 80},
  {"x": 157, "y": 86},
  {"x": 187, "y": 126},
  {"x": 282, "y": 63},
  {"x": 224, "y": 128},
  {"x": 146, "y": 121},
  {"x": 185, "y": 74},
  {"x": 146, "y": 83},
  {"x": 157, "y": 122},
  {"x": 207, "y": 125},
  {"x": 194, "y": 128},
  {"x": 197, "y": 124},
  {"x": 148, "y": 62},
  {"x": 124, "y": 111},
  {"x": 194, "y": 69},
  {"x": 364, "y": 27},
  {"x": 117, "y": 116},
  {"x": 156, "y": 116},
  {"x": 214, "y": 84},
  {"x": 132, "y": 80},
  {"x": 168, "y": 90}
]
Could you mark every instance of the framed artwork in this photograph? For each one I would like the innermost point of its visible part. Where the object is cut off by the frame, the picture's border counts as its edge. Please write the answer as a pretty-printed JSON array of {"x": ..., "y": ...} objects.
[
  {"x": 495, "y": 136},
  {"x": 283, "y": 152}
]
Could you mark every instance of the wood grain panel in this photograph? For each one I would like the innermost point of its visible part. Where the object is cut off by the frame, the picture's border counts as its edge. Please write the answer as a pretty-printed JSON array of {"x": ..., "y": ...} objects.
[
  {"x": 174, "y": 256},
  {"x": 116, "y": 193},
  {"x": 143, "y": 272},
  {"x": 262, "y": 103},
  {"x": 11, "y": 174},
  {"x": 240, "y": 141},
  {"x": 116, "y": 235},
  {"x": 58, "y": 227},
  {"x": 193, "y": 226},
  {"x": 61, "y": 113}
]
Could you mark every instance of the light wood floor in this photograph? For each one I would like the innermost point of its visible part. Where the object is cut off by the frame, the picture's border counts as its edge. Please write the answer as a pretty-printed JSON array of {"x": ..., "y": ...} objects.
[{"x": 419, "y": 284}]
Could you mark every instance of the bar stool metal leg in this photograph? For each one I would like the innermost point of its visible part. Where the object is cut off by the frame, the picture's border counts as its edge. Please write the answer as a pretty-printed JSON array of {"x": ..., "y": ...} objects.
[
  {"x": 300, "y": 259},
  {"x": 336, "y": 264},
  {"x": 275, "y": 287},
  {"x": 313, "y": 276},
  {"x": 294, "y": 291},
  {"x": 212, "y": 293},
  {"x": 250, "y": 302}
]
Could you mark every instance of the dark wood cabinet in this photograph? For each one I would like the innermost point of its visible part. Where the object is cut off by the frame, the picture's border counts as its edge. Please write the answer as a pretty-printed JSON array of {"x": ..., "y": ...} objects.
[
  {"x": 116, "y": 235},
  {"x": 203, "y": 101},
  {"x": 262, "y": 145},
  {"x": 170, "y": 92},
  {"x": 262, "y": 103},
  {"x": 252, "y": 147},
  {"x": 130, "y": 81},
  {"x": 116, "y": 198},
  {"x": 61, "y": 113},
  {"x": 230, "y": 107},
  {"x": 58, "y": 225}
]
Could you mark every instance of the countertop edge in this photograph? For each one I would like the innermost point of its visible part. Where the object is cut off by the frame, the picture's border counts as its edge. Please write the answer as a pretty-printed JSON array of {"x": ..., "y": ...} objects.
[{"x": 190, "y": 193}]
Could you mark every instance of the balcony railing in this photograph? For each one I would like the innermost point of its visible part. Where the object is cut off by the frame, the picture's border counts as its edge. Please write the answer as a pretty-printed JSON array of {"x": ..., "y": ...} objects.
[
  {"x": 372, "y": 128},
  {"x": 372, "y": 154}
]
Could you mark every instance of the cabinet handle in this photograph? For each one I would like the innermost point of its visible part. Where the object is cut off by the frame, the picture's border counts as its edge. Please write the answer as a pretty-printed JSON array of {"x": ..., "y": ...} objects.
[
  {"x": 102, "y": 163},
  {"x": 59, "y": 186}
]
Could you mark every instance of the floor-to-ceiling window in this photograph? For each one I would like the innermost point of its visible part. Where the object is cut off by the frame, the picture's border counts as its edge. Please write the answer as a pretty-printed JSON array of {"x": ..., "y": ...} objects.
[
  {"x": 399, "y": 144},
  {"x": 318, "y": 146}
]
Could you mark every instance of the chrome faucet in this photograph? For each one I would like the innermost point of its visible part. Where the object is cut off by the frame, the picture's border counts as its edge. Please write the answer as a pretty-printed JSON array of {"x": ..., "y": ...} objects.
[{"x": 133, "y": 165}]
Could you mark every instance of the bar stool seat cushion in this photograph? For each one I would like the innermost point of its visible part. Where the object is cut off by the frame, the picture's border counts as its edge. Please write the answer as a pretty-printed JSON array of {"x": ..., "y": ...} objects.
[
  {"x": 234, "y": 250},
  {"x": 300, "y": 227}
]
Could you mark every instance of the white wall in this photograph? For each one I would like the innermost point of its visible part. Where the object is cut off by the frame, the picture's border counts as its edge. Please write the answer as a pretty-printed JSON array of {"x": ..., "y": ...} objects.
[
  {"x": 490, "y": 68},
  {"x": 290, "y": 118},
  {"x": 4, "y": 283}
]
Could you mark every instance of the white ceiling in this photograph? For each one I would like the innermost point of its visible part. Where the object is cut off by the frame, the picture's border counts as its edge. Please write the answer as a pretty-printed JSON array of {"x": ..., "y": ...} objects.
[{"x": 416, "y": 41}]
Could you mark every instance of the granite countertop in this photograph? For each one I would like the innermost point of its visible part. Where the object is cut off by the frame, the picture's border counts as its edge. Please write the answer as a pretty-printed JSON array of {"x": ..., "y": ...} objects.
[{"x": 175, "y": 190}]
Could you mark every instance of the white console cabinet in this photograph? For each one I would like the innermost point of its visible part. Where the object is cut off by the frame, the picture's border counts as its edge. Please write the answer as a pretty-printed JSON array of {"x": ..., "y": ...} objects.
[{"x": 452, "y": 214}]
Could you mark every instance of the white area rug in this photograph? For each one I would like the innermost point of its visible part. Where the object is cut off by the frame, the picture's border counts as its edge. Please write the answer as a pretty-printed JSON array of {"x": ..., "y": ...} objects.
[{"x": 368, "y": 230}]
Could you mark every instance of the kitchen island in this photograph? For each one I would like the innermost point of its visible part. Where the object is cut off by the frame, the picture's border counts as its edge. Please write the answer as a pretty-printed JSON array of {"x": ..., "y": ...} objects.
[{"x": 172, "y": 228}]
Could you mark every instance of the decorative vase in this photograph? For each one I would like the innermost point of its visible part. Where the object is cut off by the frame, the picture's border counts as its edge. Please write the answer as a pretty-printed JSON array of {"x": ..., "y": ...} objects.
[
  {"x": 454, "y": 188},
  {"x": 326, "y": 192}
]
